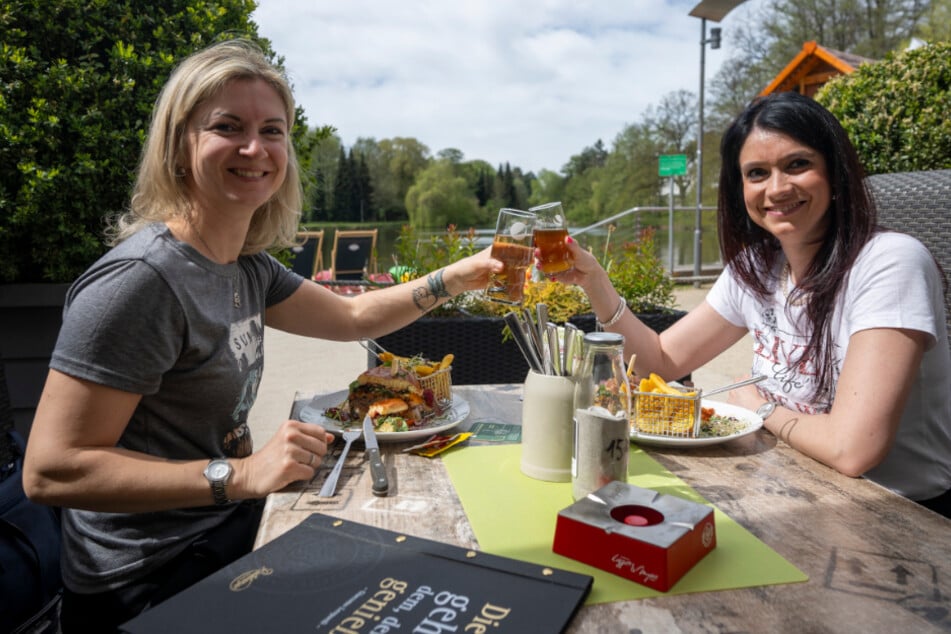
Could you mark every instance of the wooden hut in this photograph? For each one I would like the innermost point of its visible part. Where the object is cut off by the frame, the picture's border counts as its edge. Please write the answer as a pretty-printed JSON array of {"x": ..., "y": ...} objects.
[{"x": 813, "y": 67}]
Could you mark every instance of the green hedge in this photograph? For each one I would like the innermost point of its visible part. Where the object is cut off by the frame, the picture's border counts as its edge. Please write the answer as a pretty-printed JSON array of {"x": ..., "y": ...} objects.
[
  {"x": 79, "y": 78},
  {"x": 896, "y": 111}
]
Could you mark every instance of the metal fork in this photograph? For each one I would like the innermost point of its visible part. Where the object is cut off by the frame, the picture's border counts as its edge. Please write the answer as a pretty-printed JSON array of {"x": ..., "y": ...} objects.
[
  {"x": 372, "y": 347},
  {"x": 330, "y": 486}
]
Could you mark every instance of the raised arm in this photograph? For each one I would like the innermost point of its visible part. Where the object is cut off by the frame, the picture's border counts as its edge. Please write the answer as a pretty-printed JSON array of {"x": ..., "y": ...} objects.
[
  {"x": 691, "y": 342},
  {"x": 314, "y": 311}
]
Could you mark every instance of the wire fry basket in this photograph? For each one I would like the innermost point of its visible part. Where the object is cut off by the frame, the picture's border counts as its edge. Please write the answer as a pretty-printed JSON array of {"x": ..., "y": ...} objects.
[
  {"x": 440, "y": 382},
  {"x": 670, "y": 415}
]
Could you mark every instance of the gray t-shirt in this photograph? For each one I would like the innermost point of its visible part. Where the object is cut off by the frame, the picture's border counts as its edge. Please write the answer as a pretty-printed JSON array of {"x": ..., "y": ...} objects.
[{"x": 156, "y": 318}]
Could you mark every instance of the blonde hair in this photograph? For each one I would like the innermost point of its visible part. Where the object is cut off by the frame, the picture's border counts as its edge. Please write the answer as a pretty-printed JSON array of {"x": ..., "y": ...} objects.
[{"x": 159, "y": 193}]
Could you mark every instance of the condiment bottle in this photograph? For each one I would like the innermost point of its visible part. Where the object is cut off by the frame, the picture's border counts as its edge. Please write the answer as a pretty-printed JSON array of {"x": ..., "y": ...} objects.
[{"x": 601, "y": 425}]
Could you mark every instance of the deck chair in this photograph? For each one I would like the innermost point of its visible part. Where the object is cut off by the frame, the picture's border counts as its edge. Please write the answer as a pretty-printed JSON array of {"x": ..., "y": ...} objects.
[
  {"x": 919, "y": 204},
  {"x": 354, "y": 255},
  {"x": 307, "y": 258}
]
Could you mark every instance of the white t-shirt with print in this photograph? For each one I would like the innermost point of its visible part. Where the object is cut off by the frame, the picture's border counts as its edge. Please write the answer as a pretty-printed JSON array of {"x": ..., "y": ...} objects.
[{"x": 894, "y": 284}]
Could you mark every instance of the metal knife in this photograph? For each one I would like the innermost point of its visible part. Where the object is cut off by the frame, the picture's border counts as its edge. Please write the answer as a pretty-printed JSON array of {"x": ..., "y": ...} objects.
[{"x": 377, "y": 471}]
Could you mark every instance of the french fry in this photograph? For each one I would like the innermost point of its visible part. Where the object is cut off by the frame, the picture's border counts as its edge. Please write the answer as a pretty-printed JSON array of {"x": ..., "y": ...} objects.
[
  {"x": 446, "y": 361},
  {"x": 660, "y": 385}
]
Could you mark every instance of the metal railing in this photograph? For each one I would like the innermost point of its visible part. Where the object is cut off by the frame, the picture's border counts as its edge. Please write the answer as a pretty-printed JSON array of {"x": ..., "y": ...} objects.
[
  {"x": 685, "y": 271},
  {"x": 677, "y": 240}
]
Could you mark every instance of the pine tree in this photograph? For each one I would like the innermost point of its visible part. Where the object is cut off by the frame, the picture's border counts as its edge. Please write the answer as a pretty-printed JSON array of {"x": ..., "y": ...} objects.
[
  {"x": 483, "y": 186},
  {"x": 365, "y": 191},
  {"x": 510, "y": 196},
  {"x": 343, "y": 189},
  {"x": 318, "y": 202}
]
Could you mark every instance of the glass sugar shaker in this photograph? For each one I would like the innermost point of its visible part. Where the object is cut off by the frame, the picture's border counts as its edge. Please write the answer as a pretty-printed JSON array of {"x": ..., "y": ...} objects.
[{"x": 601, "y": 425}]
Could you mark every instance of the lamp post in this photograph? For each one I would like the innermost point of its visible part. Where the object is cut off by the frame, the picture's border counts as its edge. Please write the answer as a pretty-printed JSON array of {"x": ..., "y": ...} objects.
[{"x": 714, "y": 10}]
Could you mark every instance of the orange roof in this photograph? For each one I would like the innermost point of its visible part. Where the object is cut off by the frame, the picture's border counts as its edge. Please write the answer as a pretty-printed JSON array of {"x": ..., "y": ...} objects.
[{"x": 811, "y": 68}]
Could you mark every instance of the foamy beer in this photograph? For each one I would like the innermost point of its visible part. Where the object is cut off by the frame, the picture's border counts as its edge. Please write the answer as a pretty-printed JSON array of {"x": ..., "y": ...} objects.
[
  {"x": 551, "y": 229},
  {"x": 512, "y": 245}
]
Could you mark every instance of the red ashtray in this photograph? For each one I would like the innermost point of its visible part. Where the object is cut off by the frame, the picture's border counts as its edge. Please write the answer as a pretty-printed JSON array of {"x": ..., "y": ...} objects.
[{"x": 639, "y": 534}]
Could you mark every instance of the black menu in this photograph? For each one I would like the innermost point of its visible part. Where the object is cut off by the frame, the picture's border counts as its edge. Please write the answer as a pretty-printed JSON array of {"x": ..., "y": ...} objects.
[{"x": 329, "y": 575}]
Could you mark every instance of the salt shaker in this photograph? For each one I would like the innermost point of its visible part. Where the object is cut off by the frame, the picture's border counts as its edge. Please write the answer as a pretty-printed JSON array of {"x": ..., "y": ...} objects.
[{"x": 602, "y": 402}]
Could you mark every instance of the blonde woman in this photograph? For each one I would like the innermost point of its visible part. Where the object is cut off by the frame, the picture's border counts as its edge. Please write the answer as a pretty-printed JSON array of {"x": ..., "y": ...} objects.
[{"x": 141, "y": 432}]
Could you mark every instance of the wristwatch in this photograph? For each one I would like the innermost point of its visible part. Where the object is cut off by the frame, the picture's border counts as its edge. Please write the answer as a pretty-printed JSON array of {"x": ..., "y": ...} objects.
[
  {"x": 218, "y": 473},
  {"x": 765, "y": 410}
]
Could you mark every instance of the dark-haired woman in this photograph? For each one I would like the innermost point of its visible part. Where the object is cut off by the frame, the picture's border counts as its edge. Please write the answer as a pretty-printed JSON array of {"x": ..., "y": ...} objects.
[{"x": 847, "y": 319}]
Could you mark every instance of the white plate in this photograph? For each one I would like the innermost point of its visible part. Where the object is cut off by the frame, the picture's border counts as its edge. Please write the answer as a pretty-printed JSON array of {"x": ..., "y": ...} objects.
[
  {"x": 313, "y": 412},
  {"x": 752, "y": 419}
]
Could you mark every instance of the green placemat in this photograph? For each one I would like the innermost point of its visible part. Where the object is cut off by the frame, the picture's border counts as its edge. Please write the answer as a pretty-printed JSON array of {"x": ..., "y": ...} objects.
[{"x": 514, "y": 516}]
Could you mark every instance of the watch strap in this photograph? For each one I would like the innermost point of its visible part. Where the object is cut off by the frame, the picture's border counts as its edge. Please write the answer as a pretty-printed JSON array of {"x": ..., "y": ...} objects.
[
  {"x": 218, "y": 492},
  {"x": 218, "y": 484}
]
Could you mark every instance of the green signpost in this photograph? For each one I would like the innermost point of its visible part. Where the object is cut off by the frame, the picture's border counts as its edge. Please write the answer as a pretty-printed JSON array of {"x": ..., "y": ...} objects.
[{"x": 672, "y": 165}]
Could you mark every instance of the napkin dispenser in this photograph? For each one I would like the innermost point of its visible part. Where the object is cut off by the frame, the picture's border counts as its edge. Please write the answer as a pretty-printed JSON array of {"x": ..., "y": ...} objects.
[{"x": 639, "y": 534}]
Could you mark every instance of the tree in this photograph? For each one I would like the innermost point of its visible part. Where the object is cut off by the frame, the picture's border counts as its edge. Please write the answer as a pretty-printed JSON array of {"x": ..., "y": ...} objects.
[
  {"x": 441, "y": 197},
  {"x": 404, "y": 158},
  {"x": 364, "y": 190},
  {"x": 591, "y": 156},
  {"x": 896, "y": 110},
  {"x": 773, "y": 34},
  {"x": 385, "y": 200},
  {"x": 478, "y": 175},
  {"x": 630, "y": 177},
  {"x": 78, "y": 79},
  {"x": 343, "y": 189},
  {"x": 743, "y": 75},
  {"x": 870, "y": 28},
  {"x": 450, "y": 154},
  {"x": 324, "y": 156},
  {"x": 671, "y": 128},
  {"x": 936, "y": 26},
  {"x": 549, "y": 186}
]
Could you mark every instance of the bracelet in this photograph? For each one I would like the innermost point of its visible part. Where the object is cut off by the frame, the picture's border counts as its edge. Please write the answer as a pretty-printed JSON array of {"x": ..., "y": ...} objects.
[{"x": 614, "y": 318}]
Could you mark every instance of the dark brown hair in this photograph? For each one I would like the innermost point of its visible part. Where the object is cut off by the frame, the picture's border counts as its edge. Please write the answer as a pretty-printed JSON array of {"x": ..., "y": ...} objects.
[{"x": 754, "y": 253}]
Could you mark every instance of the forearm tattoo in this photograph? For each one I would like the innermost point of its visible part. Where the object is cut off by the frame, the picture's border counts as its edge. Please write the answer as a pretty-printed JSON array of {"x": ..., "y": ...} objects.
[{"x": 426, "y": 297}]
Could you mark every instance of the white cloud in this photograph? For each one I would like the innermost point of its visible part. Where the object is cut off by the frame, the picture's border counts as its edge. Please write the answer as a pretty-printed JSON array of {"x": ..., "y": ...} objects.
[{"x": 529, "y": 82}]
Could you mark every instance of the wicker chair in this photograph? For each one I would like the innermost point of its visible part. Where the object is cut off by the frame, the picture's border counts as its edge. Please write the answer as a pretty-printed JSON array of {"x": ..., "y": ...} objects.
[{"x": 919, "y": 204}]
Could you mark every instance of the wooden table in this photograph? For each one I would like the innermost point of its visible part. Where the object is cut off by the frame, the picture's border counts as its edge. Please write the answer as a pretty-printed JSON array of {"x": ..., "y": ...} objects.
[{"x": 876, "y": 561}]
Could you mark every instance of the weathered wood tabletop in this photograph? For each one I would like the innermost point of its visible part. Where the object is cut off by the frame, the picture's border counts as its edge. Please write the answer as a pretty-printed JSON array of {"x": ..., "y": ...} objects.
[{"x": 876, "y": 561}]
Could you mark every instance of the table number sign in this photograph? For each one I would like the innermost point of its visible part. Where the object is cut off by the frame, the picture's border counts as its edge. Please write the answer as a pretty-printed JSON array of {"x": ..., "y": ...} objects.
[{"x": 334, "y": 576}]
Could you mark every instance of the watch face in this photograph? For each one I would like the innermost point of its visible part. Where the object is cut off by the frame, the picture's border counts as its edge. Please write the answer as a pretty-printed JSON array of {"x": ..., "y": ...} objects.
[{"x": 219, "y": 470}]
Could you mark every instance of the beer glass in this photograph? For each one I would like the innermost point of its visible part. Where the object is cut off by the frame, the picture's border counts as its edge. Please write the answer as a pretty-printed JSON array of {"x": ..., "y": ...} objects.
[
  {"x": 551, "y": 229},
  {"x": 512, "y": 245}
]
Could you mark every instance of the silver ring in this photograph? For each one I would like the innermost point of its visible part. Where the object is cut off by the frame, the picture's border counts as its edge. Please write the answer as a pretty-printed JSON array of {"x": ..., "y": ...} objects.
[{"x": 310, "y": 462}]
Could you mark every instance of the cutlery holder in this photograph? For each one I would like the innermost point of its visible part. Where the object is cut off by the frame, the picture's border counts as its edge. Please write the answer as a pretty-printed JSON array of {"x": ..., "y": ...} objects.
[{"x": 547, "y": 427}]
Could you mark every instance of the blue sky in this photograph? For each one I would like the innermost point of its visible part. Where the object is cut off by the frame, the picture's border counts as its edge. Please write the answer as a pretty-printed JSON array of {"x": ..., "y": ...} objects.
[{"x": 530, "y": 82}]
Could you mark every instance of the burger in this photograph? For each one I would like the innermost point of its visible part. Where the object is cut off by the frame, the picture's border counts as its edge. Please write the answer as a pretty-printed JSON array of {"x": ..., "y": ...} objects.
[{"x": 390, "y": 391}]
